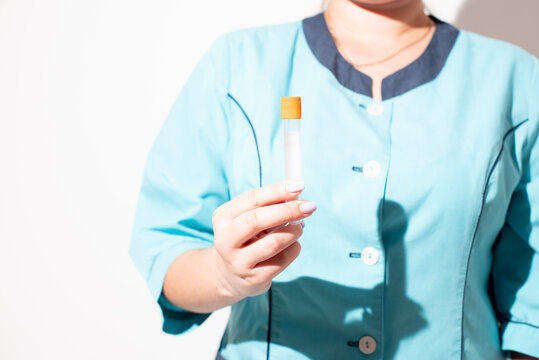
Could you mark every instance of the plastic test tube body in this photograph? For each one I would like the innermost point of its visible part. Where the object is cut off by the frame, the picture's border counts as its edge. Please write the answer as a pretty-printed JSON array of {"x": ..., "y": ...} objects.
[
  {"x": 292, "y": 149},
  {"x": 291, "y": 117}
]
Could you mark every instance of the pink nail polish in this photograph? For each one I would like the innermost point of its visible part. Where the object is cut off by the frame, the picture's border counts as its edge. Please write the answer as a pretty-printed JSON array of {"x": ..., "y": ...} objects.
[
  {"x": 295, "y": 186},
  {"x": 308, "y": 207}
]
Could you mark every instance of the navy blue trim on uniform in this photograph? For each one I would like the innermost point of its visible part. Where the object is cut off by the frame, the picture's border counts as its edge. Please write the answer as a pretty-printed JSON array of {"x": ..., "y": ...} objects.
[
  {"x": 268, "y": 339},
  {"x": 422, "y": 70},
  {"x": 254, "y": 136},
  {"x": 477, "y": 223}
]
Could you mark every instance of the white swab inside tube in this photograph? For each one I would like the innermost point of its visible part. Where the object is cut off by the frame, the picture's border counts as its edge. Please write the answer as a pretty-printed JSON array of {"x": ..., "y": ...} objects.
[{"x": 292, "y": 149}]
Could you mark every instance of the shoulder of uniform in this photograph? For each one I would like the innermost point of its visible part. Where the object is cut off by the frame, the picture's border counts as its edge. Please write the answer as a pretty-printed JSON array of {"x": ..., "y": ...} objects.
[
  {"x": 263, "y": 34},
  {"x": 499, "y": 50},
  {"x": 261, "y": 51}
]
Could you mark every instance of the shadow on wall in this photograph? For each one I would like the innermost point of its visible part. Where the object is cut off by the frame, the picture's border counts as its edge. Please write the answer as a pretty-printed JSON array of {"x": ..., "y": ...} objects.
[{"x": 512, "y": 21}]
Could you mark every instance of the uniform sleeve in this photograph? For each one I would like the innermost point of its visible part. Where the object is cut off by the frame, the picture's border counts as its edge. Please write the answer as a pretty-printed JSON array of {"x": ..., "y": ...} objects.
[
  {"x": 183, "y": 182},
  {"x": 515, "y": 274}
]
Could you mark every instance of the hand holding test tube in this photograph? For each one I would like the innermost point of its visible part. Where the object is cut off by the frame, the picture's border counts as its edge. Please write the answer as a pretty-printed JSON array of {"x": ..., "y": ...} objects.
[{"x": 291, "y": 116}]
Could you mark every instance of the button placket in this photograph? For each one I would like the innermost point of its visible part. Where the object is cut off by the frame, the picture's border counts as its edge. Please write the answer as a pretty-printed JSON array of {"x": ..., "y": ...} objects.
[{"x": 375, "y": 155}]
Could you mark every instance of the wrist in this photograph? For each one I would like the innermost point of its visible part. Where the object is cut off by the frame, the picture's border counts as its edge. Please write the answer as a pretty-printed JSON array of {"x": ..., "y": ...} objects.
[{"x": 224, "y": 290}]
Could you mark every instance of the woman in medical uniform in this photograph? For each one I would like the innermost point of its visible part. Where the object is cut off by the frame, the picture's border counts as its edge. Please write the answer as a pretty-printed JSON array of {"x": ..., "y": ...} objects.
[{"x": 420, "y": 200}]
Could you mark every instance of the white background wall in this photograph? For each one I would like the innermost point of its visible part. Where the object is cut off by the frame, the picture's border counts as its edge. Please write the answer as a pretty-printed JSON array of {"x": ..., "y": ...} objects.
[{"x": 84, "y": 89}]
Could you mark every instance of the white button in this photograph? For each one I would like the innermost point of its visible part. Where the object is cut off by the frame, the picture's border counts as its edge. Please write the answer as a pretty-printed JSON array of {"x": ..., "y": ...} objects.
[
  {"x": 370, "y": 255},
  {"x": 367, "y": 345},
  {"x": 375, "y": 108},
  {"x": 372, "y": 169}
]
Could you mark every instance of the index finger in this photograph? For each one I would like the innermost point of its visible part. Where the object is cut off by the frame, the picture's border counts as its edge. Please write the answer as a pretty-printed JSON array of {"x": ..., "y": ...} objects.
[{"x": 262, "y": 196}]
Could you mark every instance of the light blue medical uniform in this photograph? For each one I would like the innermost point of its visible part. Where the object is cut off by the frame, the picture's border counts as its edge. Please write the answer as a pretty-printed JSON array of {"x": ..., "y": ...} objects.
[{"x": 425, "y": 243}]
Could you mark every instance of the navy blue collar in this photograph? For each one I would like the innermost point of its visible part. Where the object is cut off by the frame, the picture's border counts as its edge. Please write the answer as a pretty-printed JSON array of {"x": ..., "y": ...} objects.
[{"x": 420, "y": 71}]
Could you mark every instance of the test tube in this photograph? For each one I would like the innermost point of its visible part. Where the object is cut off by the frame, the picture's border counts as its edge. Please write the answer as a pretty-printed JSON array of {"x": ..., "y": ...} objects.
[{"x": 291, "y": 116}]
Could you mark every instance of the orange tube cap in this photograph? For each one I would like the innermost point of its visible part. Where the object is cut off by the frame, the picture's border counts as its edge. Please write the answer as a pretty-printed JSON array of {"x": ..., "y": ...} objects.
[{"x": 291, "y": 107}]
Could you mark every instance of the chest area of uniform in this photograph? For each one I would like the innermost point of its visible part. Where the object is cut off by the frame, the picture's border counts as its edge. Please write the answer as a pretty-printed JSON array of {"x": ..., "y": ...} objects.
[{"x": 355, "y": 155}]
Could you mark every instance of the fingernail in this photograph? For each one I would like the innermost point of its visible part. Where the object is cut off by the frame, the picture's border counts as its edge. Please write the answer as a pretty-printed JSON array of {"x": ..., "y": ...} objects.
[
  {"x": 308, "y": 207},
  {"x": 295, "y": 186}
]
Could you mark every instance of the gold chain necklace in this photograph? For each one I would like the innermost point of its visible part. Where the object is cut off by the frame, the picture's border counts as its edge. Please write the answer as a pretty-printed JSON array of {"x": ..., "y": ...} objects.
[{"x": 358, "y": 66}]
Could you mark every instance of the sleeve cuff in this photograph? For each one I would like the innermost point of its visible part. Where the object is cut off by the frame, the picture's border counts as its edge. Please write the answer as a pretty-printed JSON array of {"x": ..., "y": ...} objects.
[
  {"x": 175, "y": 320},
  {"x": 521, "y": 337}
]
